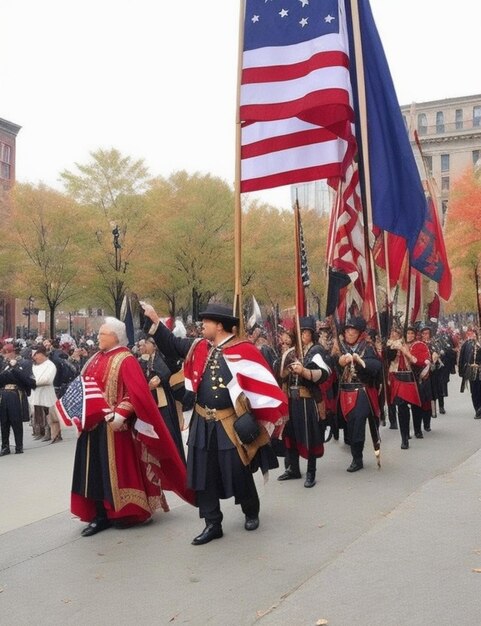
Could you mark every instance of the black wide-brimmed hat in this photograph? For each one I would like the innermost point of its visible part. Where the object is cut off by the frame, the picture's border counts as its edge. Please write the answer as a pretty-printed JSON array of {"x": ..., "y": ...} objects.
[
  {"x": 307, "y": 323},
  {"x": 358, "y": 323},
  {"x": 219, "y": 313}
]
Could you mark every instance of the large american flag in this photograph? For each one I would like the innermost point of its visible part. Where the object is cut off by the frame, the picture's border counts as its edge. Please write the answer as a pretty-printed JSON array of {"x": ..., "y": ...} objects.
[
  {"x": 295, "y": 102},
  {"x": 83, "y": 405}
]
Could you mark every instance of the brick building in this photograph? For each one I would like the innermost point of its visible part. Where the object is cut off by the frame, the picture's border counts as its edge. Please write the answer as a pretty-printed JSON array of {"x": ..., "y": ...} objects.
[{"x": 8, "y": 136}]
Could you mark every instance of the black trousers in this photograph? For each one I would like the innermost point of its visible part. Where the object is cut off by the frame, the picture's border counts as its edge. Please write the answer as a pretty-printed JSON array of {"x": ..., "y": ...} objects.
[
  {"x": 11, "y": 416},
  {"x": 475, "y": 388},
  {"x": 292, "y": 461},
  {"x": 208, "y": 499}
]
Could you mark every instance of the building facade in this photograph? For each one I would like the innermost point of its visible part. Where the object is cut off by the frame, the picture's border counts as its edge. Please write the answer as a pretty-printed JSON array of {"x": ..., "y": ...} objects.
[
  {"x": 449, "y": 132},
  {"x": 8, "y": 138}
]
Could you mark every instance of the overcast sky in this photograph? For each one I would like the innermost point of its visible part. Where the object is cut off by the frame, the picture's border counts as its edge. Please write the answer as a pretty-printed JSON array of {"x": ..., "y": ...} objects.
[{"x": 157, "y": 78}]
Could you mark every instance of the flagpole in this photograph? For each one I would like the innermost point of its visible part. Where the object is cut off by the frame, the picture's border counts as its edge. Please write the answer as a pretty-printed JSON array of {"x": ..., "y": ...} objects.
[
  {"x": 299, "y": 294},
  {"x": 237, "y": 184}
]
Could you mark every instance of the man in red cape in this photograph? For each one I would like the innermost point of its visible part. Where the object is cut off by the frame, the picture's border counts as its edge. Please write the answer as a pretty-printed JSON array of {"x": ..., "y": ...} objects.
[{"x": 124, "y": 463}]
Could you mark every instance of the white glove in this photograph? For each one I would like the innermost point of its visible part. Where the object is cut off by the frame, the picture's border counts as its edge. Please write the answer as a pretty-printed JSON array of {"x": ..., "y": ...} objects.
[{"x": 116, "y": 422}]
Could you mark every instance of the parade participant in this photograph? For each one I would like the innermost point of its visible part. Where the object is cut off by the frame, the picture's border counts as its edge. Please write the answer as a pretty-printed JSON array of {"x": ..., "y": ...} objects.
[
  {"x": 469, "y": 368},
  {"x": 421, "y": 367},
  {"x": 430, "y": 386},
  {"x": 446, "y": 365},
  {"x": 281, "y": 364},
  {"x": 16, "y": 383},
  {"x": 125, "y": 462},
  {"x": 304, "y": 432},
  {"x": 329, "y": 388},
  {"x": 236, "y": 398},
  {"x": 403, "y": 389},
  {"x": 158, "y": 375},
  {"x": 43, "y": 397},
  {"x": 359, "y": 370}
]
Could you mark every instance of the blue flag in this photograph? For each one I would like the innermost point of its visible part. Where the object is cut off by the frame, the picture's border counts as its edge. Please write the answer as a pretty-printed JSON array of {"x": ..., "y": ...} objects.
[{"x": 398, "y": 202}]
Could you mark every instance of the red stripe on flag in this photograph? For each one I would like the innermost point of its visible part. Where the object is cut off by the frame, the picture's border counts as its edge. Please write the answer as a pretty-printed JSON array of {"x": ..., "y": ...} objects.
[{"x": 292, "y": 71}]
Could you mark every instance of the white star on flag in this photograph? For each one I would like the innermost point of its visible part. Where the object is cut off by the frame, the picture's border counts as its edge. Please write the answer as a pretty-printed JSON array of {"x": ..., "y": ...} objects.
[
  {"x": 255, "y": 18},
  {"x": 283, "y": 13},
  {"x": 303, "y": 22},
  {"x": 329, "y": 18},
  {"x": 304, "y": 2}
]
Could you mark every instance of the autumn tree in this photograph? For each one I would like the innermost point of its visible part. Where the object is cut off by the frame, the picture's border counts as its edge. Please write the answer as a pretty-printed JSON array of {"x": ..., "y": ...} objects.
[
  {"x": 192, "y": 240},
  {"x": 269, "y": 244},
  {"x": 111, "y": 189},
  {"x": 463, "y": 244},
  {"x": 44, "y": 244}
]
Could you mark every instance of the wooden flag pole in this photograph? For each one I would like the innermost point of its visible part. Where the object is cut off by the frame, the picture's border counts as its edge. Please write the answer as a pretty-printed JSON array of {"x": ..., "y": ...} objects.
[
  {"x": 237, "y": 185},
  {"x": 297, "y": 265}
]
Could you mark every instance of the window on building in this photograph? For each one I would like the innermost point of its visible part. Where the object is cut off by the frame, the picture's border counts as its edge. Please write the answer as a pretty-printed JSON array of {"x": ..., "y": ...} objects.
[
  {"x": 440, "y": 122},
  {"x": 476, "y": 157},
  {"x": 445, "y": 183},
  {"x": 444, "y": 207},
  {"x": 5, "y": 171},
  {"x": 422, "y": 124},
  {"x": 5, "y": 157},
  {"x": 428, "y": 163},
  {"x": 445, "y": 163},
  {"x": 476, "y": 116},
  {"x": 459, "y": 119}
]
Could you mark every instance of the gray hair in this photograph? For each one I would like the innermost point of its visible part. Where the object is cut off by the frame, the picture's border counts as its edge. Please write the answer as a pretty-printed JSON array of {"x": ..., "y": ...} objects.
[{"x": 117, "y": 327}]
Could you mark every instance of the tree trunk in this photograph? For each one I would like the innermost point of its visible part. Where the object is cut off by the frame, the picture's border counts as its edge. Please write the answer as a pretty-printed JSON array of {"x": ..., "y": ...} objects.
[{"x": 51, "y": 308}]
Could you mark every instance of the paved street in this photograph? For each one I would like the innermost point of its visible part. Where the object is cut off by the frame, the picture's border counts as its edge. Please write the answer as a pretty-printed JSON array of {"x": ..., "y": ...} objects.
[{"x": 397, "y": 546}]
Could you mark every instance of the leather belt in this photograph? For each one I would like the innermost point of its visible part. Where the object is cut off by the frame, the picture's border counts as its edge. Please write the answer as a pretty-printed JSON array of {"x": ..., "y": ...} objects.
[
  {"x": 351, "y": 386},
  {"x": 302, "y": 392},
  {"x": 213, "y": 414},
  {"x": 10, "y": 387}
]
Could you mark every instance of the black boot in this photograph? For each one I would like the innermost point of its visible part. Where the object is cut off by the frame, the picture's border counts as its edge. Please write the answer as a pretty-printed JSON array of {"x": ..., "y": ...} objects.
[
  {"x": 310, "y": 480},
  {"x": 289, "y": 474},
  {"x": 356, "y": 451},
  {"x": 210, "y": 532},
  {"x": 5, "y": 450}
]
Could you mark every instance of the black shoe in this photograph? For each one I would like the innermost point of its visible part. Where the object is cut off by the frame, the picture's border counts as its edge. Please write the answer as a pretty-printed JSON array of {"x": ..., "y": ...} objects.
[
  {"x": 289, "y": 475},
  {"x": 355, "y": 466},
  {"x": 96, "y": 526},
  {"x": 478, "y": 414},
  {"x": 4, "y": 451},
  {"x": 419, "y": 435},
  {"x": 442, "y": 410},
  {"x": 405, "y": 445},
  {"x": 210, "y": 532},
  {"x": 18, "y": 450},
  {"x": 251, "y": 523},
  {"x": 393, "y": 426},
  {"x": 310, "y": 480},
  {"x": 428, "y": 429}
]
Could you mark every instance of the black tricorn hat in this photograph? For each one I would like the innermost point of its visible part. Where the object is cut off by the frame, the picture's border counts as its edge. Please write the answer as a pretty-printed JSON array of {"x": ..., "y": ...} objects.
[
  {"x": 219, "y": 313},
  {"x": 307, "y": 323},
  {"x": 358, "y": 323}
]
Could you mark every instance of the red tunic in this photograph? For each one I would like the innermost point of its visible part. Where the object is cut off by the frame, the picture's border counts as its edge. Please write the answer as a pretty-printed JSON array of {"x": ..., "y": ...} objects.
[{"x": 142, "y": 460}]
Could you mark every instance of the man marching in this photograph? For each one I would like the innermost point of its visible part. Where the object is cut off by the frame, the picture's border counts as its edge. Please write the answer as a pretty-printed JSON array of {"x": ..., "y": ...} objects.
[
  {"x": 237, "y": 403},
  {"x": 360, "y": 367},
  {"x": 304, "y": 432}
]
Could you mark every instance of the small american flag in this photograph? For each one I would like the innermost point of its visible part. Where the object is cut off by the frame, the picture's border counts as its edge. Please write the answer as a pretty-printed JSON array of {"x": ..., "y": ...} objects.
[{"x": 83, "y": 404}]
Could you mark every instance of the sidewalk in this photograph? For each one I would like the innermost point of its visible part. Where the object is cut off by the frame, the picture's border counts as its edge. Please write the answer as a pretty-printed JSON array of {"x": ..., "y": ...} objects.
[{"x": 384, "y": 547}]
